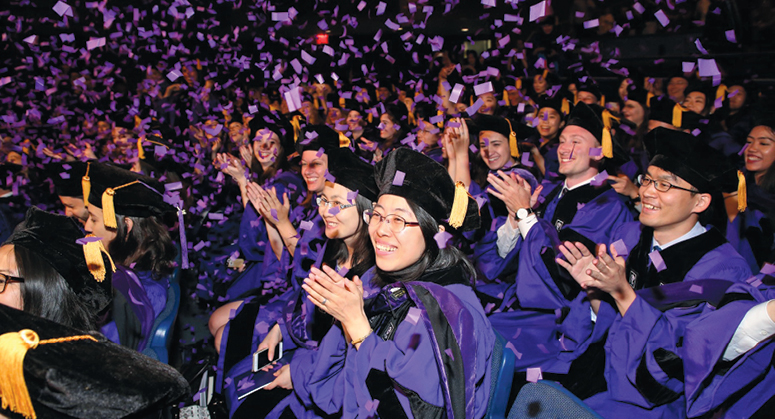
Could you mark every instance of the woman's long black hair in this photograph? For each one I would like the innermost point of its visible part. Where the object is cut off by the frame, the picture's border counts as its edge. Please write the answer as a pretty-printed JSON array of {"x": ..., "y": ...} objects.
[
  {"x": 148, "y": 246},
  {"x": 432, "y": 259},
  {"x": 46, "y": 293}
]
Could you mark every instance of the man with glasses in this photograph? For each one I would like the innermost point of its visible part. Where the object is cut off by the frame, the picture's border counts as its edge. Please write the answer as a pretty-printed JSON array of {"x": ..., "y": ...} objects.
[{"x": 656, "y": 276}]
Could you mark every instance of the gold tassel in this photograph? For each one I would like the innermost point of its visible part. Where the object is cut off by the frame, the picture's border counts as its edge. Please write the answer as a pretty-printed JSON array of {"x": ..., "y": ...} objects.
[
  {"x": 513, "y": 147},
  {"x": 649, "y": 95},
  {"x": 602, "y": 101},
  {"x": 92, "y": 252},
  {"x": 608, "y": 147},
  {"x": 343, "y": 140},
  {"x": 108, "y": 208},
  {"x": 341, "y": 102},
  {"x": 575, "y": 98},
  {"x": 198, "y": 65},
  {"x": 545, "y": 73},
  {"x": 459, "y": 206},
  {"x": 296, "y": 128},
  {"x": 13, "y": 349},
  {"x": 518, "y": 84},
  {"x": 140, "y": 151},
  {"x": 742, "y": 192},
  {"x": 506, "y": 97},
  {"x": 565, "y": 109},
  {"x": 678, "y": 111},
  {"x": 721, "y": 91},
  {"x": 13, "y": 388},
  {"x": 440, "y": 124},
  {"x": 86, "y": 185}
]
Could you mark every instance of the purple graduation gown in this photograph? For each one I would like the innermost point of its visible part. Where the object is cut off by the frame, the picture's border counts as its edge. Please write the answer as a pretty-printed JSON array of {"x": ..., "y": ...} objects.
[
  {"x": 641, "y": 363},
  {"x": 412, "y": 369},
  {"x": 264, "y": 267},
  {"x": 712, "y": 382}
]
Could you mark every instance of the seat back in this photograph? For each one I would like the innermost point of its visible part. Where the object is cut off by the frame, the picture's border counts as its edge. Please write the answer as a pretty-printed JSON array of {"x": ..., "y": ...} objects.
[
  {"x": 501, "y": 377},
  {"x": 549, "y": 400},
  {"x": 161, "y": 334}
]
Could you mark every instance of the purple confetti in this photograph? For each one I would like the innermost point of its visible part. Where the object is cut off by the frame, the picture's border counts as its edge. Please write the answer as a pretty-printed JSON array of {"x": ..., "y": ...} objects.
[
  {"x": 730, "y": 34},
  {"x": 537, "y": 11},
  {"x": 591, "y": 24},
  {"x": 657, "y": 260},
  {"x": 371, "y": 405},
  {"x": 442, "y": 237},
  {"x": 534, "y": 374},
  {"x": 768, "y": 269},
  {"x": 708, "y": 68},
  {"x": 483, "y": 88},
  {"x": 448, "y": 351},
  {"x": 84, "y": 240},
  {"x": 525, "y": 160},
  {"x": 413, "y": 315},
  {"x": 398, "y": 179},
  {"x": 306, "y": 225},
  {"x": 599, "y": 179},
  {"x": 742, "y": 150},
  {"x": 595, "y": 151},
  {"x": 620, "y": 248},
  {"x": 475, "y": 107},
  {"x": 662, "y": 18},
  {"x": 697, "y": 289}
]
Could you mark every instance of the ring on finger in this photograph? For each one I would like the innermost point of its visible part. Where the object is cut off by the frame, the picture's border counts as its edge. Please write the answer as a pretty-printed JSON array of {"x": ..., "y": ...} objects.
[{"x": 325, "y": 300}]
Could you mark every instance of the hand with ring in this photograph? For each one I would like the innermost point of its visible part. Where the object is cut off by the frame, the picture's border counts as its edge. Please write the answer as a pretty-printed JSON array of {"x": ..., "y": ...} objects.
[{"x": 339, "y": 297}]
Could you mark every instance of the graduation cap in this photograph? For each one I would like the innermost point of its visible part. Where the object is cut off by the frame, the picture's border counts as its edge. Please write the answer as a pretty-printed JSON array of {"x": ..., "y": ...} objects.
[
  {"x": 53, "y": 371},
  {"x": 82, "y": 262},
  {"x": 694, "y": 161},
  {"x": 418, "y": 178},
  {"x": 353, "y": 173},
  {"x": 559, "y": 104},
  {"x": 502, "y": 126},
  {"x": 315, "y": 137},
  {"x": 639, "y": 94},
  {"x": 119, "y": 191},
  {"x": 590, "y": 86},
  {"x": 67, "y": 177},
  {"x": 665, "y": 110},
  {"x": 599, "y": 122}
]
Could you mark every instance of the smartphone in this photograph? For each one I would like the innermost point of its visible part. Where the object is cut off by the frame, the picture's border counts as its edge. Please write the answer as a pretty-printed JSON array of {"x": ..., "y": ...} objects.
[{"x": 261, "y": 358}]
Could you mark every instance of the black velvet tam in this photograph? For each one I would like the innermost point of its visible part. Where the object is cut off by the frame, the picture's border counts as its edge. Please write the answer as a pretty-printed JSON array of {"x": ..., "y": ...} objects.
[
  {"x": 142, "y": 199},
  {"x": 87, "y": 379},
  {"x": 638, "y": 94},
  {"x": 67, "y": 177},
  {"x": 588, "y": 117},
  {"x": 552, "y": 102},
  {"x": 53, "y": 238},
  {"x": 691, "y": 159},
  {"x": 421, "y": 180},
  {"x": 590, "y": 87},
  {"x": 662, "y": 110},
  {"x": 353, "y": 173},
  {"x": 495, "y": 124},
  {"x": 315, "y": 137}
]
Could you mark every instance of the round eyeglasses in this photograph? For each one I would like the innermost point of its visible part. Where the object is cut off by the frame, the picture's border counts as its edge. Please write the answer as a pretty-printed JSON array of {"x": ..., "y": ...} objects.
[
  {"x": 394, "y": 222},
  {"x": 661, "y": 185},
  {"x": 323, "y": 202}
]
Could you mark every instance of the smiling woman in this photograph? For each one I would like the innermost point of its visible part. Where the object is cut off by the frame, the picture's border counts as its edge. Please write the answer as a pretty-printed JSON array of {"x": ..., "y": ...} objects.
[{"x": 391, "y": 336}]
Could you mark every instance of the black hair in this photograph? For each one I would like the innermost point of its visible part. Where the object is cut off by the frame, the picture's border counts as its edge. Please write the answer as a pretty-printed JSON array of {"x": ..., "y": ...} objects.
[
  {"x": 46, "y": 293},
  {"x": 363, "y": 251},
  {"x": 432, "y": 259},
  {"x": 148, "y": 246}
]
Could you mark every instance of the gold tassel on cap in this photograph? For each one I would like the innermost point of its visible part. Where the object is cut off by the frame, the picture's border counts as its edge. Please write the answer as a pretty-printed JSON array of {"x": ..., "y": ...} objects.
[
  {"x": 459, "y": 206},
  {"x": 518, "y": 84},
  {"x": 678, "y": 111},
  {"x": 602, "y": 100},
  {"x": 506, "y": 97},
  {"x": 13, "y": 387},
  {"x": 608, "y": 146},
  {"x": 565, "y": 107},
  {"x": 140, "y": 151},
  {"x": 513, "y": 147},
  {"x": 92, "y": 252},
  {"x": 649, "y": 95},
  {"x": 296, "y": 127},
  {"x": 86, "y": 185},
  {"x": 742, "y": 192},
  {"x": 343, "y": 140},
  {"x": 108, "y": 209}
]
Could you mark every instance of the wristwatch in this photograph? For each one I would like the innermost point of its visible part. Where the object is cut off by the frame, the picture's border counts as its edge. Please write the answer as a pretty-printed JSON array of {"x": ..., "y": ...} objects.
[{"x": 523, "y": 213}]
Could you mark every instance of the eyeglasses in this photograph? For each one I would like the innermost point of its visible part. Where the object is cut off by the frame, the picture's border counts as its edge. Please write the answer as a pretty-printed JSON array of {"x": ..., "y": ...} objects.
[
  {"x": 661, "y": 185},
  {"x": 6, "y": 279},
  {"x": 394, "y": 222},
  {"x": 323, "y": 202}
]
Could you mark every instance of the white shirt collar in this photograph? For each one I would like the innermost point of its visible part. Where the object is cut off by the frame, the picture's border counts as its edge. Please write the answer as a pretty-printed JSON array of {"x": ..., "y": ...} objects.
[
  {"x": 586, "y": 182},
  {"x": 694, "y": 232}
]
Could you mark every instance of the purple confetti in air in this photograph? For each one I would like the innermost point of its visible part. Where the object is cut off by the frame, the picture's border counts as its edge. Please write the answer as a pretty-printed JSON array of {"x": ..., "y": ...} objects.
[
  {"x": 768, "y": 269},
  {"x": 333, "y": 210},
  {"x": 730, "y": 34},
  {"x": 343, "y": 271},
  {"x": 62, "y": 8},
  {"x": 371, "y": 405},
  {"x": 448, "y": 351},
  {"x": 699, "y": 46},
  {"x": 413, "y": 315},
  {"x": 697, "y": 289},
  {"x": 742, "y": 150},
  {"x": 510, "y": 345},
  {"x": 580, "y": 205},
  {"x": 320, "y": 152},
  {"x": 352, "y": 195},
  {"x": 620, "y": 248},
  {"x": 273, "y": 213},
  {"x": 572, "y": 150},
  {"x": 398, "y": 179},
  {"x": 639, "y": 8},
  {"x": 83, "y": 240},
  {"x": 537, "y": 11},
  {"x": 595, "y": 151},
  {"x": 475, "y": 107},
  {"x": 473, "y": 148},
  {"x": 64, "y": 175},
  {"x": 306, "y": 225},
  {"x": 331, "y": 178},
  {"x": 534, "y": 374},
  {"x": 657, "y": 260},
  {"x": 599, "y": 179},
  {"x": 215, "y": 216},
  {"x": 442, "y": 237},
  {"x": 483, "y": 88},
  {"x": 687, "y": 67},
  {"x": 662, "y": 18},
  {"x": 579, "y": 15},
  {"x": 525, "y": 160},
  {"x": 708, "y": 68},
  {"x": 591, "y": 24}
]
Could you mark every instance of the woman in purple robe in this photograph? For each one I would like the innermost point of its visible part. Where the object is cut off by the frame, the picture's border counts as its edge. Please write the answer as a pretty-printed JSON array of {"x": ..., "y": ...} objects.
[
  {"x": 422, "y": 346},
  {"x": 126, "y": 211}
]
